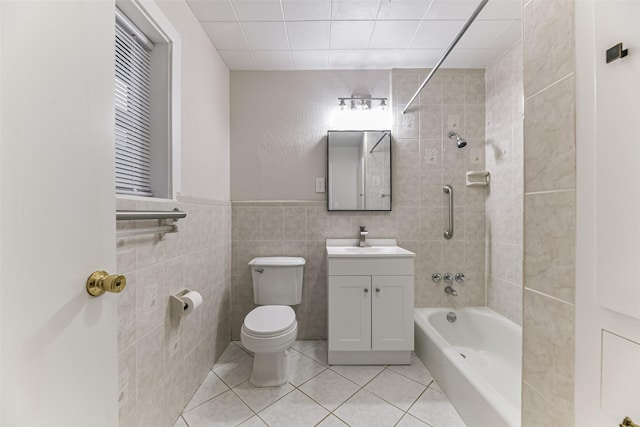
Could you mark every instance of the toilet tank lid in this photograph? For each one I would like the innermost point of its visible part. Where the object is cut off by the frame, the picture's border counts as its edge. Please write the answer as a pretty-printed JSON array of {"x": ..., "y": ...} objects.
[{"x": 277, "y": 261}]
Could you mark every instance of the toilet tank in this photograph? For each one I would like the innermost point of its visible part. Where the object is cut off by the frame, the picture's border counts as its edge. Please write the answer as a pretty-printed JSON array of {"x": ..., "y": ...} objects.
[{"x": 277, "y": 280}]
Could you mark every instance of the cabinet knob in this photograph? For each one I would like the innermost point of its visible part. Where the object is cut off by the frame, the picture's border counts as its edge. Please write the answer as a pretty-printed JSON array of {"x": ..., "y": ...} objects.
[
  {"x": 377, "y": 289},
  {"x": 366, "y": 290}
]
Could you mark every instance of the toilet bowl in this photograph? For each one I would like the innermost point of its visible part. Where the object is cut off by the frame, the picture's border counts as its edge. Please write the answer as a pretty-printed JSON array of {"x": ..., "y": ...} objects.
[{"x": 268, "y": 331}]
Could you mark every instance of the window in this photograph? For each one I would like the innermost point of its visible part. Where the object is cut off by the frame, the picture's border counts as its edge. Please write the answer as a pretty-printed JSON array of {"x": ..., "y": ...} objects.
[
  {"x": 146, "y": 101},
  {"x": 133, "y": 109}
]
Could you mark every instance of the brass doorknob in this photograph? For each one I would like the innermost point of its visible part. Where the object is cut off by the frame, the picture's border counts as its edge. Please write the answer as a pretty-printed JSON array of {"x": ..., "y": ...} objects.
[{"x": 100, "y": 282}]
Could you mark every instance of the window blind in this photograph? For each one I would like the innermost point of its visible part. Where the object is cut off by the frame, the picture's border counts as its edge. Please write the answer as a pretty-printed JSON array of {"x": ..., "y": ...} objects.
[{"x": 132, "y": 100}]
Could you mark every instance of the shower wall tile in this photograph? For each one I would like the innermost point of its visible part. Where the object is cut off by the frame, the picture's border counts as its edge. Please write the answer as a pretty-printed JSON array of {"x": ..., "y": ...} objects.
[
  {"x": 505, "y": 298},
  {"x": 431, "y": 117},
  {"x": 453, "y": 88},
  {"x": 474, "y": 90},
  {"x": 548, "y": 346},
  {"x": 550, "y": 150},
  {"x": 550, "y": 247},
  {"x": 539, "y": 411},
  {"x": 162, "y": 361},
  {"x": 549, "y": 34},
  {"x": 432, "y": 93},
  {"x": 549, "y": 210}
]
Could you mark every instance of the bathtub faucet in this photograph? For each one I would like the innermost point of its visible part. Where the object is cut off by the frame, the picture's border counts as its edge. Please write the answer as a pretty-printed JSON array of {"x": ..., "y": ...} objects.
[{"x": 450, "y": 291}]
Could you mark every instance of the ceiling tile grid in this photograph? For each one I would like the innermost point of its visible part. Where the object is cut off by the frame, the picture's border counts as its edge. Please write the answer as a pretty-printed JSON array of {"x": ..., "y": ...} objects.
[{"x": 355, "y": 34}]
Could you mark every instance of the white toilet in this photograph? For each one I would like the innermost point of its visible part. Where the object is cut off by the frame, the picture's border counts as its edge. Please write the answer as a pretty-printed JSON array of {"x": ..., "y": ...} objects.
[{"x": 270, "y": 329}]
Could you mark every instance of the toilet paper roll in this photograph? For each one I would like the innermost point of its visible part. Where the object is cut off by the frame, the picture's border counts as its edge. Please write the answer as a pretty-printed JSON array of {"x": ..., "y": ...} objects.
[{"x": 192, "y": 300}]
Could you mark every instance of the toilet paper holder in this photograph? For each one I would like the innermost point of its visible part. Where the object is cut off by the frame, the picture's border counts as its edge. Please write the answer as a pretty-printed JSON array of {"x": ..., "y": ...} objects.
[{"x": 178, "y": 306}]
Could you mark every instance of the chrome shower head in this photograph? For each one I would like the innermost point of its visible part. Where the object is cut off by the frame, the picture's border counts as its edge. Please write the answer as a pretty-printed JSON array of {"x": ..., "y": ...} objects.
[{"x": 461, "y": 142}]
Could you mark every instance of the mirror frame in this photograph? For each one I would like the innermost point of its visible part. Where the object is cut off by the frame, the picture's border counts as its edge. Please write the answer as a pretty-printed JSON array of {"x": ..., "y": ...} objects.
[{"x": 329, "y": 209}]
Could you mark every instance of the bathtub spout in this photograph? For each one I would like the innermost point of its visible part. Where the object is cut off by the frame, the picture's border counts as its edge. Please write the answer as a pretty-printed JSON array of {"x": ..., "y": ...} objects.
[{"x": 450, "y": 291}]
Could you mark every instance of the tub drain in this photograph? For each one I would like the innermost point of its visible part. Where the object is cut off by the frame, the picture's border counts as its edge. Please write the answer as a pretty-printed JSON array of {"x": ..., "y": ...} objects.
[{"x": 451, "y": 317}]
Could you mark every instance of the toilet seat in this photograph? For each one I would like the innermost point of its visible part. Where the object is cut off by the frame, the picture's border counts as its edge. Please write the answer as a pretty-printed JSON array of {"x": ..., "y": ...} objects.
[{"x": 269, "y": 321}]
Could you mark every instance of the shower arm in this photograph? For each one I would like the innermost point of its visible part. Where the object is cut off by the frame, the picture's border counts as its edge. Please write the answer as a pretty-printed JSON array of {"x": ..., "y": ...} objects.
[{"x": 446, "y": 53}]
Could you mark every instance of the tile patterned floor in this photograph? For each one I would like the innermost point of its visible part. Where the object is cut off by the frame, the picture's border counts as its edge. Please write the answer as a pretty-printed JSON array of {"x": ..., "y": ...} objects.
[{"x": 318, "y": 394}]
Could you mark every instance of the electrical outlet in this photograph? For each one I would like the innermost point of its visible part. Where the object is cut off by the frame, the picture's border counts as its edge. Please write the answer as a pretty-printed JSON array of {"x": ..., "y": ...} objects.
[{"x": 320, "y": 188}]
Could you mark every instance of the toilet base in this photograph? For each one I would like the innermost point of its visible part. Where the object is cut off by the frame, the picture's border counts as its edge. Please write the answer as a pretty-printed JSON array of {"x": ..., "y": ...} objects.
[{"x": 270, "y": 369}]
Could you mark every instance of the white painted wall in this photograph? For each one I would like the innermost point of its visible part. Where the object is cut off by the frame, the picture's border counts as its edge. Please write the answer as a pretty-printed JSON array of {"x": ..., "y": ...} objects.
[
  {"x": 58, "y": 357},
  {"x": 205, "y": 108},
  {"x": 279, "y": 123},
  {"x": 606, "y": 119}
]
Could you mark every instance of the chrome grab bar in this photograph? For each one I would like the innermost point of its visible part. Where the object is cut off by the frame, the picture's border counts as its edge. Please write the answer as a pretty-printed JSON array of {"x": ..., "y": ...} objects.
[
  {"x": 149, "y": 215},
  {"x": 448, "y": 233}
]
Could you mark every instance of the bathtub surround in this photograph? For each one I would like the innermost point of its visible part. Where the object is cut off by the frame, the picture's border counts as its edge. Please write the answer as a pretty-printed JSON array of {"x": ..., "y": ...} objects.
[
  {"x": 504, "y": 160},
  {"x": 549, "y": 213},
  {"x": 163, "y": 360},
  {"x": 423, "y": 159}
]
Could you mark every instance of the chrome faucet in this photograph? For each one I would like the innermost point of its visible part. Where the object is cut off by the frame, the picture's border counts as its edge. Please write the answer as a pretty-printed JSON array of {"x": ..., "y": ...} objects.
[
  {"x": 363, "y": 236},
  {"x": 450, "y": 291}
]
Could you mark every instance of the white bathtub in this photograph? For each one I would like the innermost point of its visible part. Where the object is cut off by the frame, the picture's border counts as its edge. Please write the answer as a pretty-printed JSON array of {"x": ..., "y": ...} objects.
[{"x": 484, "y": 384}]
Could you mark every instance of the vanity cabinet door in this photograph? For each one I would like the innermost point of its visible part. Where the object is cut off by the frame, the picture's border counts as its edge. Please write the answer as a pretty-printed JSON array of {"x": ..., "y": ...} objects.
[
  {"x": 392, "y": 313},
  {"x": 349, "y": 313}
]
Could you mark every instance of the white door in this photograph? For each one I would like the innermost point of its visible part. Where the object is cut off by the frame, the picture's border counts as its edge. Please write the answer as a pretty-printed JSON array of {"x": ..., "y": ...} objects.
[
  {"x": 392, "y": 313},
  {"x": 608, "y": 243},
  {"x": 58, "y": 362},
  {"x": 349, "y": 313}
]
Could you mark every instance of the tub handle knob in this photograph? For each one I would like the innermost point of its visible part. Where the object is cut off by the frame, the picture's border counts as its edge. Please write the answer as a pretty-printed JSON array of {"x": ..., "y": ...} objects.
[
  {"x": 448, "y": 278},
  {"x": 459, "y": 277},
  {"x": 436, "y": 278},
  {"x": 377, "y": 289},
  {"x": 366, "y": 290}
]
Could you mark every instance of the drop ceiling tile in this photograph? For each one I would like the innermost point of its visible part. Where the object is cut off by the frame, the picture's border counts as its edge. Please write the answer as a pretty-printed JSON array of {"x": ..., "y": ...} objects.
[
  {"x": 345, "y": 10},
  {"x": 273, "y": 60},
  {"x": 308, "y": 35},
  {"x": 266, "y": 35},
  {"x": 225, "y": 35},
  {"x": 351, "y": 34},
  {"x": 392, "y": 34},
  {"x": 212, "y": 10},
  {"x": 481, "y": 34},
  {"x": 238, "y": 59},
  {"x": 502, "y": 9},
  {"x": 448, "y": 9},
  {"x": 306, "y": 10},
  {"x": 258, "y": 10},
  {"x": 508, "y": 37},
  {"x": 310, "y": 59},
  {"x": 384, "y": 59},
  {"x": 420, "y": 58},
  {"x": 435, "y": 34},
  {"x": 463, "y": 58},
  {"x": 348, "y": 59},
  {"x": 405, "y": 9}
]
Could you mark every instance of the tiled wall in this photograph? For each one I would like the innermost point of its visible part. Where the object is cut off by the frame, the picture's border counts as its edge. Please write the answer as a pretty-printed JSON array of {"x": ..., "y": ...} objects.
[
  {"x": 504, "y": 160},
  {"x": 423, "y": 160},
  {"x": 549, "y": 213},
  {"x": 162, "y": 361}
]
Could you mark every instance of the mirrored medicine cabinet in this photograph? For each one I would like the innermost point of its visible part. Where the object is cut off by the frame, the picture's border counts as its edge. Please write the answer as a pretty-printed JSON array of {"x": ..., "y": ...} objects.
[{"x": 359, "y": 170}]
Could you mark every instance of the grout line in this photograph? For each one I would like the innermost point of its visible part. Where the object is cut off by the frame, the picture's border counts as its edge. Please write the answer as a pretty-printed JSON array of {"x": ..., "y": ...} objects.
[{"x": 571, "y": 74}]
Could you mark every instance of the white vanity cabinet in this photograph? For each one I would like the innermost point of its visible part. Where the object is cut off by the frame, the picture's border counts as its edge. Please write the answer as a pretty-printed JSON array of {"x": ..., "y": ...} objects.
[{"x": 370, "y": 296}]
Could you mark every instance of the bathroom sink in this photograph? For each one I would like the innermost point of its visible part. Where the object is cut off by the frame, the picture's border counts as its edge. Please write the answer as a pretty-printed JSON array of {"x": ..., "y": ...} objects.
[{"x": 378, "y": 248}]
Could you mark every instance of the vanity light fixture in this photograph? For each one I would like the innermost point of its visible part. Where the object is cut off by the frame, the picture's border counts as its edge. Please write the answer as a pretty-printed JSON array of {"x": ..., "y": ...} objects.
[{"x": 356, "y": 102}]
